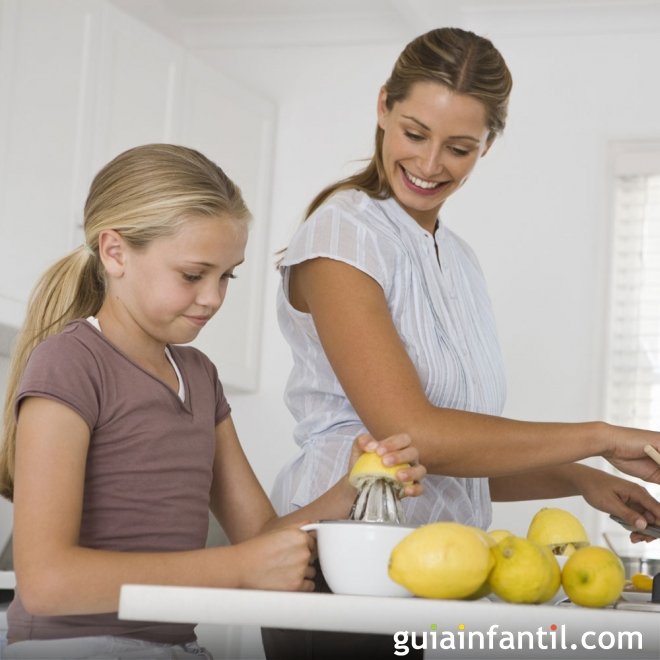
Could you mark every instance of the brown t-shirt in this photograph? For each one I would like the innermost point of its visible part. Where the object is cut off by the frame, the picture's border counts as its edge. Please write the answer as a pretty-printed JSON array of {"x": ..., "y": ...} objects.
[{"x": 149, "y": 466}]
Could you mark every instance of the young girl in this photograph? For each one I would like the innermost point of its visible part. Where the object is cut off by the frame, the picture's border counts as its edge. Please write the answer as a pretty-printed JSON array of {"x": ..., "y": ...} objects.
[{"x": 118, "y": 440}]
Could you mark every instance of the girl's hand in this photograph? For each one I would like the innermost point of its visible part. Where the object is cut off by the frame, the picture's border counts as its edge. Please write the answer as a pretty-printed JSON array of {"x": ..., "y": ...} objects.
[
  {"x": 622, "y": 498},
  {"x": 393, "y": 450},
  {"x": 280, "y": 560}
]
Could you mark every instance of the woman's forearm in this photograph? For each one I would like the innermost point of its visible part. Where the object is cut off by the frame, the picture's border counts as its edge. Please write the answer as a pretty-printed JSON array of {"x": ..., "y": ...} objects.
[
  {"x": 548, "y": 483},
  {"x": 373, "y": 366},
  {"x": 466, "y": 444}
]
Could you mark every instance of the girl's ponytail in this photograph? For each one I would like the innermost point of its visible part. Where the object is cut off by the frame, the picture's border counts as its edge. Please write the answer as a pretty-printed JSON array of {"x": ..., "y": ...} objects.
[{"x": 71, "y": 288}]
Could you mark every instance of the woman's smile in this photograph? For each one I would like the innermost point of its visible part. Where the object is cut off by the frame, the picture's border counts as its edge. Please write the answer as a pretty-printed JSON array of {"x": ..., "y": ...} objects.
[
  {"x": 419, "y": 185},
  {"x": 432, "y": 139}
]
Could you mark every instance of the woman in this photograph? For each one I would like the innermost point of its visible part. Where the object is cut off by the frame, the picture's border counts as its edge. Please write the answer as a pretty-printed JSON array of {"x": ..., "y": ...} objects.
[{"x": 391, "y": 328}]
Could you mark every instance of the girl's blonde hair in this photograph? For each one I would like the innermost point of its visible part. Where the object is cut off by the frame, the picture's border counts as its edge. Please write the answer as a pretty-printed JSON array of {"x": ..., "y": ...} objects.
[
  {"x": 462, "y": 61},
  {"x": 144, "y": 193}
]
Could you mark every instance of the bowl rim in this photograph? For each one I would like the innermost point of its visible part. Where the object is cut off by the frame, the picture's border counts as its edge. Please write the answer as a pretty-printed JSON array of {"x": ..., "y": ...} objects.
[{"x": 362, "y": 523}]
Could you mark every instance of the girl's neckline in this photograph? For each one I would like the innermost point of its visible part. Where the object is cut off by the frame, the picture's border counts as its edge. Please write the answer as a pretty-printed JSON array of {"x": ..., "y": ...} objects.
[{"x": 181, "y": 392}]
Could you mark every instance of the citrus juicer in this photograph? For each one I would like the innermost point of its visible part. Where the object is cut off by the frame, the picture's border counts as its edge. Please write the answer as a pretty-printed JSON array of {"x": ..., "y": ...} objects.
[{"x": 378, "y": 500}]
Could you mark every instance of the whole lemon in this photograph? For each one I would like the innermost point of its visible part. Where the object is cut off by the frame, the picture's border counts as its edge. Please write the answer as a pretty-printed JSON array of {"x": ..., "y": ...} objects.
[
  {"x": 558, "y": 529},
  {"x": 485, "y": 588},
  {"x": 522, "y": 572},
  {"x": 593, "y": 577},
  {"x": 554, "y": 576},
  {"x": 498, "y": 534},
  {"x": 441, "y": 560},
  {"x": 642, "y": 582}
]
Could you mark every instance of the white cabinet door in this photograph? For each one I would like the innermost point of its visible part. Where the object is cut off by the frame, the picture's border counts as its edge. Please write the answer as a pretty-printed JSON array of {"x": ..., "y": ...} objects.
[
  {"x": 41, "y": 87},
  {"x": 136, "y": 94},
  {"x": 235, "y": 128},
  {"x": 80, "y": 82},
  {"x": 132, "y": 95}
]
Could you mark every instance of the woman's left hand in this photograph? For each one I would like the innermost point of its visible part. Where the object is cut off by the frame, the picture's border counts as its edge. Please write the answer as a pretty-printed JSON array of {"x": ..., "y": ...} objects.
[
  {"x": 393, "y": 450},
  {"x": 624, "y": 499}
]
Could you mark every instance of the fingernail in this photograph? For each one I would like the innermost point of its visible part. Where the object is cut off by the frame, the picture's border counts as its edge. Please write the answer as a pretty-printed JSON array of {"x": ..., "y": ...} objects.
[
  {"x": 402, "y": 476},
  {"x": 640, "y": 523},
  {"x": 388, "y": 460}
]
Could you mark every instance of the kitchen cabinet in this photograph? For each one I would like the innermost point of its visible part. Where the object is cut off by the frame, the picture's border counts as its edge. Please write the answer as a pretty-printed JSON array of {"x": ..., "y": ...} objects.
[
  {"x": 81, "y": 81},
  {"x": 41, "y": 86},
  {"x": 239, "y": 137}
]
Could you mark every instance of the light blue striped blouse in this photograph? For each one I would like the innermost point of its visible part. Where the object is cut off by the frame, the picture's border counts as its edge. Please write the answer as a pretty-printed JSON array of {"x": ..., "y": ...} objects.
[{"x": 444, "y": 317}]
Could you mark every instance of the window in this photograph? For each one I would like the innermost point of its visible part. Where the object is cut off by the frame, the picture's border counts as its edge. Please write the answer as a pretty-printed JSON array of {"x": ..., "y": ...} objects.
[{"x": 633, "y": 360}]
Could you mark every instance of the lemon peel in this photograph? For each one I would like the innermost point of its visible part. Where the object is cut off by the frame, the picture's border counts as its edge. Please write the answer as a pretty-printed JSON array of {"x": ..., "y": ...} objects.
[
  {"x": 442, "y": 560},
  {"x": 558, "y": 529},
  {"x": 642, "y": 582},
  {"x": 554, "y": 576},
  {"x": 522, "y": 571},
  {"x": 593, "y": 577},
  {"x": 498, "y": 534},
  {"x": 370, "y": 465}
]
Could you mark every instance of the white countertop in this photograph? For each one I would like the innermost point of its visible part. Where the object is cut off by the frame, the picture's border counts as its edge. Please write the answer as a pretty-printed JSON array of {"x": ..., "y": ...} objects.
[{"x": 316, "y": 611}]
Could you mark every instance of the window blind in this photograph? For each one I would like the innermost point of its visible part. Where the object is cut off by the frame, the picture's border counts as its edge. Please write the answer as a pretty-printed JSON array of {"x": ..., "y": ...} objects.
[{"x": 633, "y": 361}]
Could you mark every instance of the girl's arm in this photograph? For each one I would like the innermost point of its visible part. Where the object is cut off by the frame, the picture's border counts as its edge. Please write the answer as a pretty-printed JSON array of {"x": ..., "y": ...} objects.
[
  {"x": 55, "y": 576},
  {"x": 361, "y": 342},
  {"x": 243, "y": 509}
]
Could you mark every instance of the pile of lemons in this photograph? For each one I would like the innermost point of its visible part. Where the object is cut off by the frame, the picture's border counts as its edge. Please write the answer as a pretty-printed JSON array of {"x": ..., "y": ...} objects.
[{"x": 455, "y": 561}]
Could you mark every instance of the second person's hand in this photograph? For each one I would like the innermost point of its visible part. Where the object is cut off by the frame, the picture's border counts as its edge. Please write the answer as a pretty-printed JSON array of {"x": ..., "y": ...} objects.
[
  {"x": 393, "y": 450},
  {"x": 622, "y": 498},
  {"x": 628, "y": 454}
]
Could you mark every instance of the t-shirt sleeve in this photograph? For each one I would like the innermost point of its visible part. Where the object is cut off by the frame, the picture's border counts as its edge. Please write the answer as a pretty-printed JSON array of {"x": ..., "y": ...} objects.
[
  {"x": 63, "y": 370},
  {"x": 337, "y": 232},
  {"x": 222, "y": 408}
]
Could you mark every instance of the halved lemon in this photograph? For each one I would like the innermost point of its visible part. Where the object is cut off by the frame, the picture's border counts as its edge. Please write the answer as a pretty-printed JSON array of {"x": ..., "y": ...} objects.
[
  {"x": 370, "y": 465},
  {"x": 558, "y": 529}
]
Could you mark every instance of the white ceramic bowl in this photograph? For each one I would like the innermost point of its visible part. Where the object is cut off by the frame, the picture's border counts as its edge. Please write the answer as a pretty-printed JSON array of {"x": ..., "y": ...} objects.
[{"x": 354, "y": 556}]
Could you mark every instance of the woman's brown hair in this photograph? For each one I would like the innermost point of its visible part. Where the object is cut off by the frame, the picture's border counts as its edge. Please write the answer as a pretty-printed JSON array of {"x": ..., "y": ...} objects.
[{"x": 462, "y": 61}]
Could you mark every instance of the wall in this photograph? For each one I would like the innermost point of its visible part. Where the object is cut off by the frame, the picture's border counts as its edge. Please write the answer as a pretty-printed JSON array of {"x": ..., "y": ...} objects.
[{"x": 536, "y": 210}]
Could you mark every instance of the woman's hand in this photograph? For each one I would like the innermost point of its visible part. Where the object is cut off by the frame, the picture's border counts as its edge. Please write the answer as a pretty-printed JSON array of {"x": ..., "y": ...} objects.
[
  {"x": 279, "y": 560},
  {"x": 393, "y": 450},
  {"x": 627, "y": 452},
  {"x": 622, "y": 498}
]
